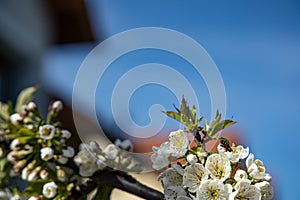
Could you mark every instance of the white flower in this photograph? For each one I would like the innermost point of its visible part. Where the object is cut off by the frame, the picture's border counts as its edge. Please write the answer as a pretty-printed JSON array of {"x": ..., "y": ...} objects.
[
  {"x": 125, "y": 144},
  {"x": 212, "y": 190},
  {"x": 218, "y": 166},
  {"x": 160, "y": 158},
  {"x": 50, "y": 190},
  {"x": 256, "y": 169},
  {"x": 86, "y": 163},
  {"x": 193, "y": 175},
  {"x": 192, "y": 159},
  {"x": 57, "y": 106},
  {"x": 175, "y": 148},
  {"x": 15, "y": 118},
  {"x": 237, "y": 153},
  {"x": 171, "y": 176},
  {"x": 46, "y": 153},
  {"x": 175, "y": 192},
  {"x": 87, "y": 160},
  {"x": 240, "y": 174},
  {"x": 93, "y": 147},
  {"x": 178, "y": 143},
  {"x": 65, "y": 134},
  {"x": 266, "y": 190},
  {"x": 111, "y": 151},
  {"x": 47, "y": 131},
  {"x": 62, "y": 159},
  {"x": 171, "y": 180},
  {"x": 69, "y": 152},
  {"x": 244, "y": 190}
]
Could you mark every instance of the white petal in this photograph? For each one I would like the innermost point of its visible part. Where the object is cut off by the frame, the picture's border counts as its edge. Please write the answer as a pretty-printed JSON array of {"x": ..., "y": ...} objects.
[{"x": 250, "y": 160}]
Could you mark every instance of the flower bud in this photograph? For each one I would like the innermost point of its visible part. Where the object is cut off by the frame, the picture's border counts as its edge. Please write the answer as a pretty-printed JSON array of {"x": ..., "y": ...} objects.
[
  {"x": 44, "y": 174},
  {"x": 31, "y": 107},
  {"x": 19, "y": 165},
  {"x": 25, "y": 172},
  {"x": 192, "y": 159},
  {"x": 35, "y": 197},
  {"x": 29, "y": 126},
  {"x": 57, "y": 106},
  {"x": 61, "y": 175},
  {"x": 69, "y": 152},
  {"x": 14, "y": 144},
  {"x": 23, "y": 111},
  {"x": 33, "y": 176},
  {"x": 20, "y": 154},
  {"x": 65, "y": 134},
  {"x": 31, "y": 165},
  {"x": 11, "y": 156},
  {"x": 125, "y": 145},
  {"x": 62, "y": 159},
  {"x": 15, "y": 119},
  {"x": 27, "y": 120},
  {"x": 1, "y": 152}
]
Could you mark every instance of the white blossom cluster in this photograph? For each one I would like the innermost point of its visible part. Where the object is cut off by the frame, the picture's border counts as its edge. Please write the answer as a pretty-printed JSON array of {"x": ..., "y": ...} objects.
[
  {"x": 92, "y": 158},
  {"x": 222, "y": 176}
]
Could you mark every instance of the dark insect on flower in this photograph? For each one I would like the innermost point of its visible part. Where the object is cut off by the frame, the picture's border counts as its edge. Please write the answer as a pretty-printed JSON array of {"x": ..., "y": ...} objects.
[{"x": 225, "y": 143}]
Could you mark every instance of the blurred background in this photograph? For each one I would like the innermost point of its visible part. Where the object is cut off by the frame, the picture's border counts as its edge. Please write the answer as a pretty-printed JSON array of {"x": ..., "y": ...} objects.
[{"x": 255, "y": 44}]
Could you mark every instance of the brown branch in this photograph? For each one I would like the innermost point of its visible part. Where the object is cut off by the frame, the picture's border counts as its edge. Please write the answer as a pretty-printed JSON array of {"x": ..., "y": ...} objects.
[{"x": 125, "y": 182}]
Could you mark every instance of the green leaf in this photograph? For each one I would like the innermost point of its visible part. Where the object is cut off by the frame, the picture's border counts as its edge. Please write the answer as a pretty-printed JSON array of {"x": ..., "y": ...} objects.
[
  {"x": 22, "y": 132},
  {"x": 185, "y": 115},
  {"x": 25, "y": 97},
  {"x": 216, "y": 125},
  {"x": 174, "y": 115},
  {"x": 26, "y": 132}
]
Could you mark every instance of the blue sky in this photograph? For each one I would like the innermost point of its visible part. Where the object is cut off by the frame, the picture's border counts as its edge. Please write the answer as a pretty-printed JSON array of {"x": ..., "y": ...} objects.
[{"x": 256, "y": 46}]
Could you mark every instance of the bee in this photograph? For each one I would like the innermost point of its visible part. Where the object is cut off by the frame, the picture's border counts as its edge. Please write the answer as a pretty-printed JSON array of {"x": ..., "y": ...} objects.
[{"x": 225, "y": 143}]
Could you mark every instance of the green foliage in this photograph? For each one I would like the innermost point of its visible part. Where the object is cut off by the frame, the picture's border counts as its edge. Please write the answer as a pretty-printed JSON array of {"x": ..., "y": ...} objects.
[
  {"x": 188, "y": 117},
  {"x": 216, "y": 125},
  {"x": 4, "y": 171},
  {"x": 185, "y": 115}
]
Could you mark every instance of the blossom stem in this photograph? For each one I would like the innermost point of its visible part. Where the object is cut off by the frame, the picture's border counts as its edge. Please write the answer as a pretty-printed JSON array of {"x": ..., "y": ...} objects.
[{"x": 125, "y": 182}]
